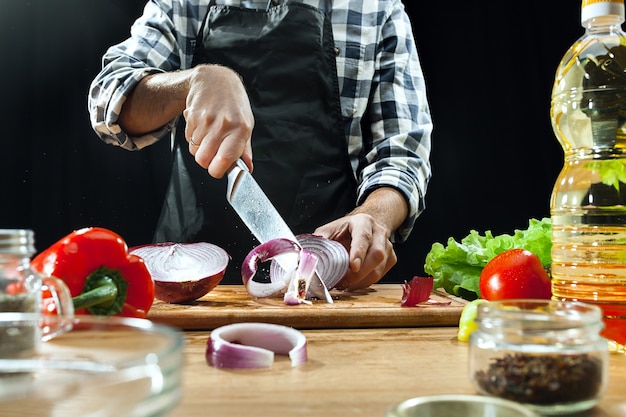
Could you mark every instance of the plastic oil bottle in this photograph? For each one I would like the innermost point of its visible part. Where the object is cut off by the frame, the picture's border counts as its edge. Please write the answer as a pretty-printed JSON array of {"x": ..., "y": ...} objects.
[{"x": 588, "y": 204}]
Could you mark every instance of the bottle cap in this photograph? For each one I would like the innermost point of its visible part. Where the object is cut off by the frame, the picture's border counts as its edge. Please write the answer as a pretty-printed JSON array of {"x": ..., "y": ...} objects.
[
  {"x": 17, "y": 242},
  {"x": 596, "y": 8}
]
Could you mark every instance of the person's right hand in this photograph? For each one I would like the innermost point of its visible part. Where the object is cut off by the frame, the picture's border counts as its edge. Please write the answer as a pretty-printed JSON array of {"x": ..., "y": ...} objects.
[{"x": 219, "y": 119}]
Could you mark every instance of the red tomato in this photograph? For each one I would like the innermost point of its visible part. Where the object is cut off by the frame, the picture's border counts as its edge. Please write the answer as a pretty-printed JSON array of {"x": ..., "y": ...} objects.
[{"x": 514, "y": 274}]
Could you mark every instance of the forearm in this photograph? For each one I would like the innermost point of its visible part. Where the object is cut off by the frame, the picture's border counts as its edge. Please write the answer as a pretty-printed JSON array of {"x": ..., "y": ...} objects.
[
  {"x": 157, "y": 99},
  {"x": 387, "y": 206}
]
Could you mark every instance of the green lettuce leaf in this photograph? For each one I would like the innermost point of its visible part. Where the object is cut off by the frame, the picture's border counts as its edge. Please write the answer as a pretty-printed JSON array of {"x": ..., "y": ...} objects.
[{"x": 456, "y": 267}]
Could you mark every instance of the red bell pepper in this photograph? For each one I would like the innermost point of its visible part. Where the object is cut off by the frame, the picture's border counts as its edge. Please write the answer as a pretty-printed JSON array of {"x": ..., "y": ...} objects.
[{"x": 102, "y": 277}]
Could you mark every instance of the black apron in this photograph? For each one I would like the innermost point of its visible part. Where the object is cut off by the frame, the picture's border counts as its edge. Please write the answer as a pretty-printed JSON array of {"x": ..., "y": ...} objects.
[{"x": 285, "y": 56}]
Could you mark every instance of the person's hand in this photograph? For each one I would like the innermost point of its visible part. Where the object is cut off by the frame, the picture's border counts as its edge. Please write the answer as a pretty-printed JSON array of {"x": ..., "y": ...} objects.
[
  {"x": 219, "y": 119},
  {"x": 367, "y": 242}
]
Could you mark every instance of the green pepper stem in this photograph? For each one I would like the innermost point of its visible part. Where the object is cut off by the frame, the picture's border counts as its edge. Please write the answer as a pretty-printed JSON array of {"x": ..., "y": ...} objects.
[{"x": 104, "y": 293}]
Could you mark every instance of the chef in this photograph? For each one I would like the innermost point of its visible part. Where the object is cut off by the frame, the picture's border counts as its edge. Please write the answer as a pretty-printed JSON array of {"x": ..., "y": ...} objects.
[{"x": 323, "y": 100}]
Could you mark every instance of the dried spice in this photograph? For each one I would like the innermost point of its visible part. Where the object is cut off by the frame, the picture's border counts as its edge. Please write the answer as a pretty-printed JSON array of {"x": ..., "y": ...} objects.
[
  {"x": 18, "y": 303},
  {"x": 542, "y": 379}
]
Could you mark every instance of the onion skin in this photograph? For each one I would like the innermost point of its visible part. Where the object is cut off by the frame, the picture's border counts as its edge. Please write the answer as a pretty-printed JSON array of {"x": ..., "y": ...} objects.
[
  {"x": 253, "y": 345},
  {"x": 185, "y": 291},
  {"x": 183, "y": 272}
]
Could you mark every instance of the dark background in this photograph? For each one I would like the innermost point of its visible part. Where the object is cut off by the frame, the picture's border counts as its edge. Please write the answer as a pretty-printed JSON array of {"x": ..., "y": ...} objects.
[{"x": 489, "y": 72}]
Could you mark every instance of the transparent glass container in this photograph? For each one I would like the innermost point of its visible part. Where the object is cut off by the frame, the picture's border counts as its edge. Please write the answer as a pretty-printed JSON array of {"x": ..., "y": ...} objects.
[
  {"x": 588, "y": 201},
  {"x": 103, "y": 366},
  {"x": 21, "y": 292},
  {"x": 545, "y": 354}
]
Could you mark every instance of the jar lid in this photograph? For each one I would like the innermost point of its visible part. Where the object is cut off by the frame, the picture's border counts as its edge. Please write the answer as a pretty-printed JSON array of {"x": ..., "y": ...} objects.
[
  {"x": 17, "y": 242},
  {"x": 597, "y": 8},
  {"x": 538, "y": 314}
]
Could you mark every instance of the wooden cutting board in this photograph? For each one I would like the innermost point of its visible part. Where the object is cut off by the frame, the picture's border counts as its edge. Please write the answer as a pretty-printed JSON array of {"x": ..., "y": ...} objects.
[{"x": 377, "y": 306}]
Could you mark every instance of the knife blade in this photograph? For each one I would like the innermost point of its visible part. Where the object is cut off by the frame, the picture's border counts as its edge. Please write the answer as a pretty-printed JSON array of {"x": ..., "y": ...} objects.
[
  {"x": 257, "y": 212},
  {"x": 260, "y": 216}
]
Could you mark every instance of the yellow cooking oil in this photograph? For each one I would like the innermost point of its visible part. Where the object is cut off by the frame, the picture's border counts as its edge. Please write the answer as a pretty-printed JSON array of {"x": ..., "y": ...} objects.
[{"x": 588, "y": 202}]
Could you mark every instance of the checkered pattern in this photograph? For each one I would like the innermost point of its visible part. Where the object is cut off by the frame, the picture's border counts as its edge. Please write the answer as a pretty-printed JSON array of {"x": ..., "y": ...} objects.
[{"x": 383, "y": 96}]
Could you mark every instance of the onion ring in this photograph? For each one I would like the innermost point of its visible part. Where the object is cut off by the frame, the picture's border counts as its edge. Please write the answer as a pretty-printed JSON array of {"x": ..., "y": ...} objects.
[{"x": 253, "y": 345}]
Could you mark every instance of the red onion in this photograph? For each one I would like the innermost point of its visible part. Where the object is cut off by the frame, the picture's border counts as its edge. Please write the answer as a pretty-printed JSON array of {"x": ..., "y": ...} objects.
[
  {"x": 263, "y": 253},
  {"x": 299, "y": 284},
  {"x": 331, "y": 260},
  {"x": 417, "y": 291},
  {"x": 253, "y": 345},
  {"x": 183, "y": 272},
  {"x": 333, "y": 257}
]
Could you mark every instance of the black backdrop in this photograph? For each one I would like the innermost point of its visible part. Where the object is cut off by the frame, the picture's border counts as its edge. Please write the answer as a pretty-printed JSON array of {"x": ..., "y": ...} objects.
[{"x": 489, "y": 72}]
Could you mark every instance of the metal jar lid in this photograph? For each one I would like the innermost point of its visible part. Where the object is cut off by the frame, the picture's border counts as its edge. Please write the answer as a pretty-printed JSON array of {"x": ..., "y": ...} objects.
[{"x": 17, "y": 242}]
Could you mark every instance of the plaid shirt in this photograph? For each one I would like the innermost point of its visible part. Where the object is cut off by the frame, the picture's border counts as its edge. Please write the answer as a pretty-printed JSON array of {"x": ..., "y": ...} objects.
[{"x": 382, "y": 91}]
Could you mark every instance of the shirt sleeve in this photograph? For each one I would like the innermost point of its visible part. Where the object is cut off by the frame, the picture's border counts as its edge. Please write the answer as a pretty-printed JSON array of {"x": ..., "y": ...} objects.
[
  {"x": 154, "y": 46},
  {"x": 398, "y": 152}
]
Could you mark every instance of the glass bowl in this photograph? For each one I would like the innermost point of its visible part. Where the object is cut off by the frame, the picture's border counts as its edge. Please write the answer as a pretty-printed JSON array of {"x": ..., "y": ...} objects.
[{"x": 102, "y": 366}]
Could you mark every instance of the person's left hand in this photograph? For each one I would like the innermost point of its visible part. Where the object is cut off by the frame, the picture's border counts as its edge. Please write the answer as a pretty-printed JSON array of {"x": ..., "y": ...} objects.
[{"x": 367, "y": 242}]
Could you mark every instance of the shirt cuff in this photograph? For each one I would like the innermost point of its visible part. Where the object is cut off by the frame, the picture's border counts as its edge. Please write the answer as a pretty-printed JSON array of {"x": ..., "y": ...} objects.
[{"x": 408, "y": 187}]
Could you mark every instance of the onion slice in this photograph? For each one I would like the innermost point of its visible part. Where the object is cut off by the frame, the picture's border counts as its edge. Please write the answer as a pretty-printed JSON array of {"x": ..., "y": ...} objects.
[
  {"x": 253, "y": 345},
  {"x": 263, "y": 253},
  {"x": 299, "y": 285},
  {"x": 417, "y": 291}
]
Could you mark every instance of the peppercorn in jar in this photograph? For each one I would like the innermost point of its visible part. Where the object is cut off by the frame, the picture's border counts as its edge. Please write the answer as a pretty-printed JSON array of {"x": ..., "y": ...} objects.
[{"x": 545, "y": 354}]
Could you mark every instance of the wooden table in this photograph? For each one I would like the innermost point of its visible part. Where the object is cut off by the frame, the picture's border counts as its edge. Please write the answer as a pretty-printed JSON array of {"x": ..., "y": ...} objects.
[{"x": 350, "y": 372}]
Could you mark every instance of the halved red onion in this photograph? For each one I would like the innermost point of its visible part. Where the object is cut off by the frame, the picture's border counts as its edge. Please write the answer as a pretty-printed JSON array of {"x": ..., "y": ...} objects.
[
  {"x": 183, "y": 272},
  {"x": 253, "y": 345}
]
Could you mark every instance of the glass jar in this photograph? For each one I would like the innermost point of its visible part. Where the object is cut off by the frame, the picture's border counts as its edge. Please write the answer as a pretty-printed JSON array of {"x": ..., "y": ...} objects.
[
  {"x": 545, "y": 354},
  {"x": 17, "y": 283},
  {"x": 22, "y": 327}
]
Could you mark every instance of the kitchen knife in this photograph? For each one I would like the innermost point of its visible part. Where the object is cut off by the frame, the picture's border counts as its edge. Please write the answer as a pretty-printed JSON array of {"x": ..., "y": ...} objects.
[
  {"x": 257, "y": 212},
  {"x": 260, "y": 216}
]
